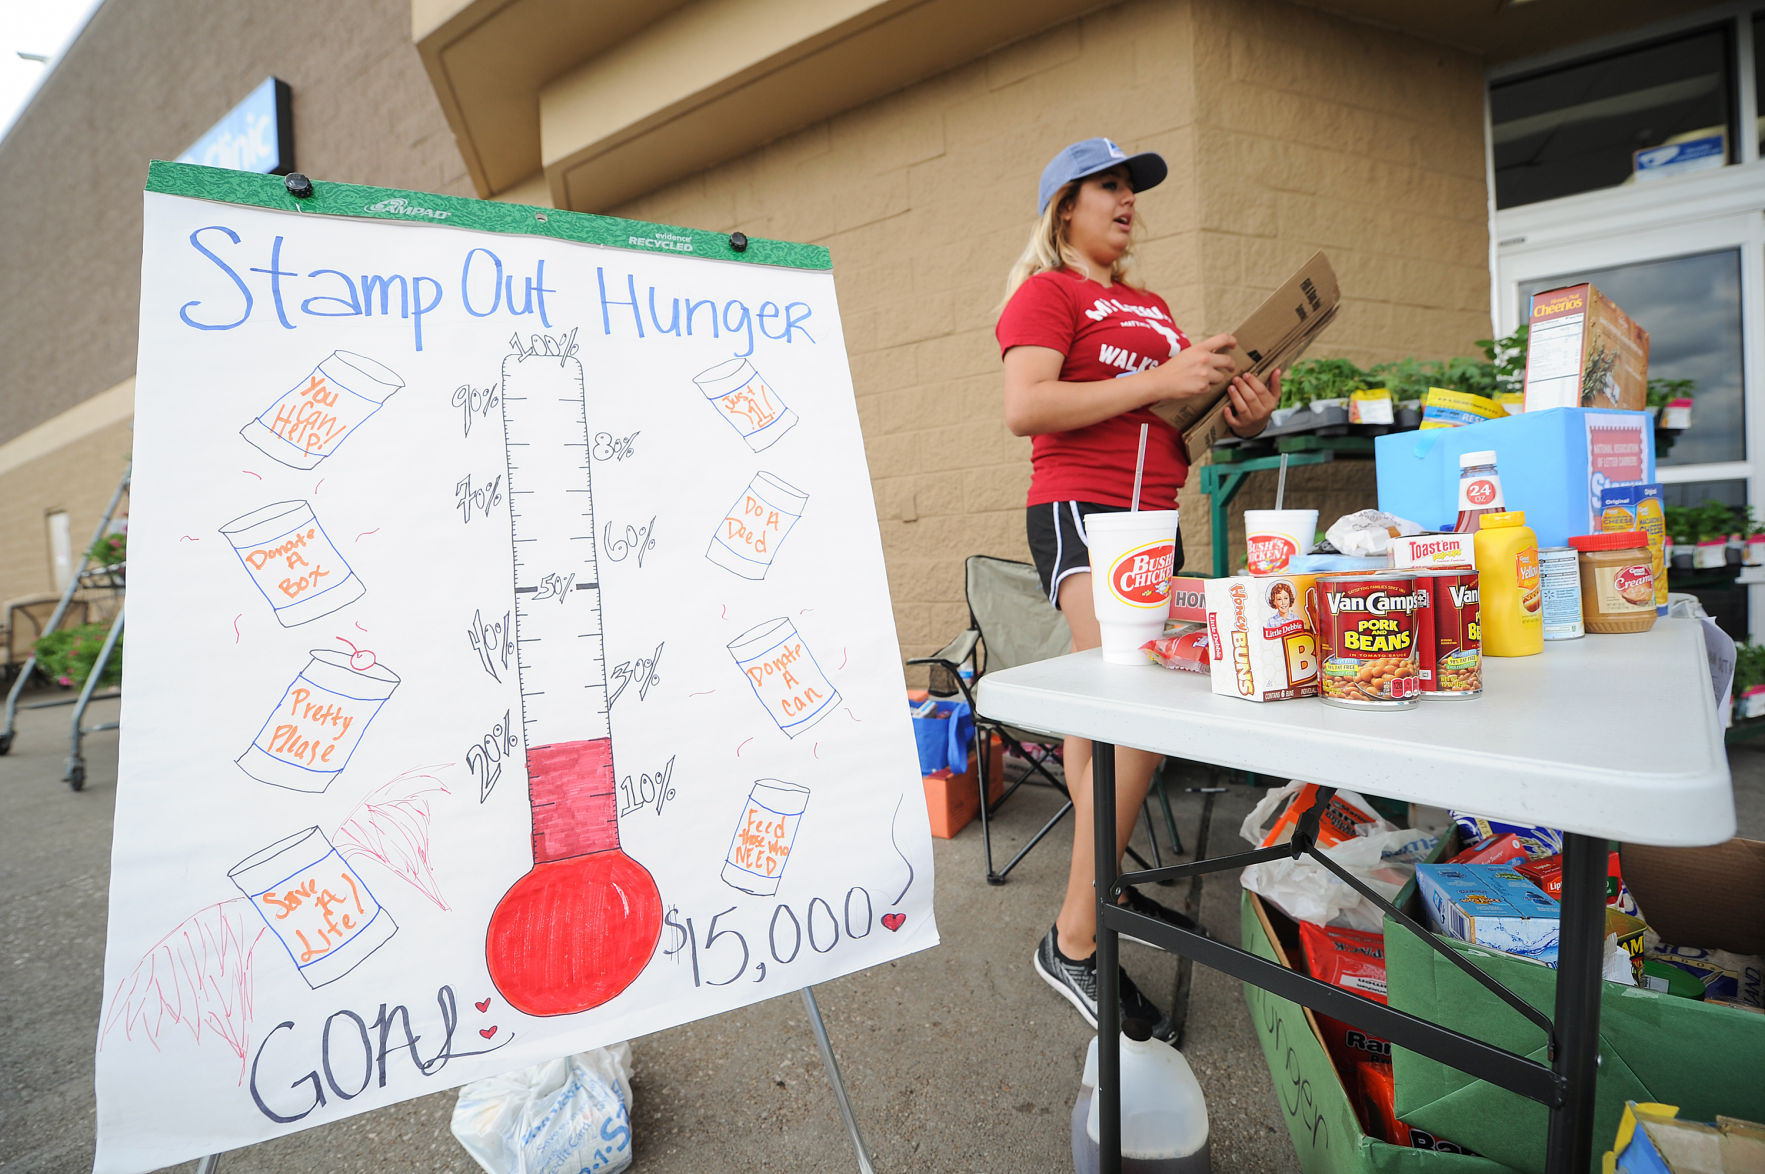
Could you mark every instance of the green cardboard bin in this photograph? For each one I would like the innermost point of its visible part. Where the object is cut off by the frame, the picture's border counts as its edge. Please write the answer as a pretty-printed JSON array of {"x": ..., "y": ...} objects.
[
  {"x": 1327, "y": 1135},
  {"x": 1706, "y": 1058}
]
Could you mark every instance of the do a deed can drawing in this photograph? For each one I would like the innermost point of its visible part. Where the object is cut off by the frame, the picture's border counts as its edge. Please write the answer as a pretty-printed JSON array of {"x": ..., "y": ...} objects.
[
  {"x": 310, "y": 420},
  {"x": 784, "y": 675},
  {"x": 745, "y": 399},
  {"x": 294, "y": 565},
  {"x": 315, "y": 903},
  {"x": 311, "y": 734},
  {"x": 763, "y": 836},
  {"x": 749, "y": 535}
]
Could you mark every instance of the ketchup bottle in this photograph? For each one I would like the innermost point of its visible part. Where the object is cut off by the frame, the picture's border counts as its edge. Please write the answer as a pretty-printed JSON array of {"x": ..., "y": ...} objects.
[{"x": 1479, "y": 491}]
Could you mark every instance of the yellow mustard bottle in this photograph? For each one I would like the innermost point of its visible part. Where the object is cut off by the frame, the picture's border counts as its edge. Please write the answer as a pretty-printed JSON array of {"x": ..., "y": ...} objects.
[{"x": 1512, "y": 600}]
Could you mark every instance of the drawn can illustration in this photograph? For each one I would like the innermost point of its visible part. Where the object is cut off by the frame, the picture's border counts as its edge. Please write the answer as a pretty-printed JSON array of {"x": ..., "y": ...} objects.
[
  {"x": 764, "y": 835},
  {"x": 747, "y": 402},
  {"x": 294, "y": 564},
  {"x": 749, "y": 535},
  {"x": 311, "y": 419},
  {"x": 784, "y": 676},
  {"x": 310, "y": 735},
  {"x": 315, "y": 903}
]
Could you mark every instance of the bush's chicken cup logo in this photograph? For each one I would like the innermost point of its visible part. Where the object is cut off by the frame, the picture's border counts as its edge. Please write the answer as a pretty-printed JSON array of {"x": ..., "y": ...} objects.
[
  {"x": 1269, "y": 554},
  {"x": 1142, "y": 576}
]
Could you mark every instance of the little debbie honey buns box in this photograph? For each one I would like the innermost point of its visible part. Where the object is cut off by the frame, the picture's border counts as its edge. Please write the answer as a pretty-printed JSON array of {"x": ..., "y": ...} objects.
[{"x": 1264, "y": 636}]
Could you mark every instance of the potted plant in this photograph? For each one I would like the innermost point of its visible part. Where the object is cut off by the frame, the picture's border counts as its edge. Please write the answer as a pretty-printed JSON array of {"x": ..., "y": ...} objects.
[
  {"x": 1670, "y": 400},
  {"x": 1324, "y": 386},
  {"x": 1681, "y": 536},
  {"x": 1749, "y": 681},
  {"x": 110, "y": 550},
  {"x": 1754, "y": 529},
  {"x": 1714, "y": 522},
  {"x": 66, "y": 655}
]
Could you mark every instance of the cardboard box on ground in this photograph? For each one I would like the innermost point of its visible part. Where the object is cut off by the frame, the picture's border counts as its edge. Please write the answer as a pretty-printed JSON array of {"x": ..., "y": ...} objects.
[{"x": 1709, "y": 1058}]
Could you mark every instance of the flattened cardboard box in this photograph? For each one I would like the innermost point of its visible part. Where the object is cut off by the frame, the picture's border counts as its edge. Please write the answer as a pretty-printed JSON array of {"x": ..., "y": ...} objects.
[{"x": 1276, "y": 333}]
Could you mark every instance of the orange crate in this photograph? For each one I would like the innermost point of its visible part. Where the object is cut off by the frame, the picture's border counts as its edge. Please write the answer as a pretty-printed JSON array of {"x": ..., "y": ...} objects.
[{"x": 952, "y": 800}]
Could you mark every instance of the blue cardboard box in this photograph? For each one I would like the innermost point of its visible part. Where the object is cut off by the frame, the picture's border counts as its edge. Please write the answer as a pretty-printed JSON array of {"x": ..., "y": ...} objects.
[
  {"x": 1490, "y": 905},
  {"x": 1553, "y": 465}
]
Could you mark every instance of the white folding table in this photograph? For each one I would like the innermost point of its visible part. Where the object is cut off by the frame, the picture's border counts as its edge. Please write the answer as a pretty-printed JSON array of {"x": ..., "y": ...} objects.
[{"x": 1605, "y": 738}]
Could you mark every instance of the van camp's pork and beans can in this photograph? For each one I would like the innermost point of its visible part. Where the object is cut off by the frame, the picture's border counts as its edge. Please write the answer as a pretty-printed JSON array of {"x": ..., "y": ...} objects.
[
  {"x": 1369, "y": 630},
  {"x": 1451, "y": 651}
]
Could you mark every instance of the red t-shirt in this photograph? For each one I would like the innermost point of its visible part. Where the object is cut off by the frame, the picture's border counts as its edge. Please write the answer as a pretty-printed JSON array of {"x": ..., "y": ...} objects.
[{"x": 1105, "y": 332}]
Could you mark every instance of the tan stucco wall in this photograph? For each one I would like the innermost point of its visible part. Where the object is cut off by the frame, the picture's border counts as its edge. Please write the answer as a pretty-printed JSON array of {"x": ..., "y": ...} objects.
[
  {"x": 1287, "y": 130},
  {"x": 73, "y": 167}
]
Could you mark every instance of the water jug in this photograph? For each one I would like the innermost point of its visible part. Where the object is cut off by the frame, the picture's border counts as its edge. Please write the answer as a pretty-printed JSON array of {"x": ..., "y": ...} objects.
[{"x": 1164, "y": 1115}]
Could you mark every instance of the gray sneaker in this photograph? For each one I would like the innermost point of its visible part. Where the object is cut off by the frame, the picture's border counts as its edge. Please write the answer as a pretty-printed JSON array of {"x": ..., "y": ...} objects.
[{"x": 1076, "y": 982}]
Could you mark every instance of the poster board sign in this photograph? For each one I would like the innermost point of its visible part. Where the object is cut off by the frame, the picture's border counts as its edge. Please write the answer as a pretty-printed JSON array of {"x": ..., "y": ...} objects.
[{"x": 511, "y": 665}]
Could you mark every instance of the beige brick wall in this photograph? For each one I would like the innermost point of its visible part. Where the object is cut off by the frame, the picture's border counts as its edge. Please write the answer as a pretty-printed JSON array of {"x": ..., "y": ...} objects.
[
  {"x": 1287, "y": 130},
  {"x": 78, "y": 478}
]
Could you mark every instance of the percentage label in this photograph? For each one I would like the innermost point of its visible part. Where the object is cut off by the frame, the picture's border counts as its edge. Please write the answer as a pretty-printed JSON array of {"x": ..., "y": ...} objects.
[
  {"x": 493, "y": 641},
  {"x": 482, "y": 499},
  {"x": 555, "y": 586},
  {"x": 642, "y": 670},
  {"x": 608, "y": 447},
  {"x": 474, "y": 403},
  {"x": 636, "y": 540},
  {"x": 647, "y": 790},
  {"x": 485, "y": 757}
]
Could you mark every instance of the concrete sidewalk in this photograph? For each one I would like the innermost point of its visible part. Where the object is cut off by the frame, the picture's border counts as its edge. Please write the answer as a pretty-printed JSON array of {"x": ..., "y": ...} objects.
[{"x": 957, "y": 1059}]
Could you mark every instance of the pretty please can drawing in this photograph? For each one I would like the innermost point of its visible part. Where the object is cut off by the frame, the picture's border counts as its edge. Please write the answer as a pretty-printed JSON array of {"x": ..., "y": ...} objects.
[
  {"x": 1367, "y": 635},
  {"x": 310, "y": 735},
  {"x": 1451, "y": 640}
]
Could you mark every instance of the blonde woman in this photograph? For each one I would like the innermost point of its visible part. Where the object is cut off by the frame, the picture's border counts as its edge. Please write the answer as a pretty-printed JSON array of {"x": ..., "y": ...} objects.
[{"x": 1085, "y": 352}]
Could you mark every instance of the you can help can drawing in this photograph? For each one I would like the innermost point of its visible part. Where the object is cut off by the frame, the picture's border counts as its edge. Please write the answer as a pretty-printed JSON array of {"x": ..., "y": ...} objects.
[
  {"x": 784, "y": 676},
  {"x": 294, "y": 564},
  {"x": 748, "y": 537},
  {"x": 308, "y": 422},
  {"x": 317, "y": 906},
  {"x": 764, "y": 835},
  {"x": 747, "y": 402},
  {"x": 311, "y": 734}
]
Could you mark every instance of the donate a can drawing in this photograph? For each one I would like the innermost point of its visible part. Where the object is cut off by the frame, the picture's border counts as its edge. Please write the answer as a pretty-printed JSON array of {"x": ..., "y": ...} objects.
[
  {"x": 319, "y": 722},
  {"x": 752, "y": 528},
  {"x": 784, "y": 676},
  {"x": 293, "y": 563},
  {"x": 316, "y": 905},
  {"x": 313, "y": 417},
  {"x": 747, "y": 402},
  {"x": 764, "y": 835}
]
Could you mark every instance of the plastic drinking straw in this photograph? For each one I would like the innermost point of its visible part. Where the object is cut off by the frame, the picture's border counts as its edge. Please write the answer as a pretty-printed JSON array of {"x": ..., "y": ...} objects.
[
  {"x": 1140, "y": 468},
  {"x": 1281, "y": 483}
]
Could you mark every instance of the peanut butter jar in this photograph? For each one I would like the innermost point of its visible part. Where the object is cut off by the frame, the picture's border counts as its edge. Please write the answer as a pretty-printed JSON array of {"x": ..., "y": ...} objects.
[{"x": 1617, "y": 581}]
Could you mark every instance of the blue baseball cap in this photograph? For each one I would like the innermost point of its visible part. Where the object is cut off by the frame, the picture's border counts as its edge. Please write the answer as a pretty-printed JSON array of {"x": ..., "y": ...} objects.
[{"x": 1088, "y": 157}]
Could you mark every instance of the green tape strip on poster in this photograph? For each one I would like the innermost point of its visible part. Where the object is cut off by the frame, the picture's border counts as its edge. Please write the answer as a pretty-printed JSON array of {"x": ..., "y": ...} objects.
[{"x": 372, "y": 203}]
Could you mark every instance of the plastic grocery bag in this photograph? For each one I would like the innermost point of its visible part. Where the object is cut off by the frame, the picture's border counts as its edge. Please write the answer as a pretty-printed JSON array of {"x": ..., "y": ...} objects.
[
  {"x": 564, "y": 1116},
  {"x": 1379, "y": 855}
]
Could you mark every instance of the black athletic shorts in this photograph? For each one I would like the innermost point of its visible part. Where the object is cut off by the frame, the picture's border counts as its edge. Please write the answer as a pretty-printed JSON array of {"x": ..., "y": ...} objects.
[{"x": 1057, "y": 541}]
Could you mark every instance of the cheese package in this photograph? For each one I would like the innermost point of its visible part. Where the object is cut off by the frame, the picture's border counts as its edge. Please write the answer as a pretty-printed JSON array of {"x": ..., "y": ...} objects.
[{"x": 1264, "y": 636}]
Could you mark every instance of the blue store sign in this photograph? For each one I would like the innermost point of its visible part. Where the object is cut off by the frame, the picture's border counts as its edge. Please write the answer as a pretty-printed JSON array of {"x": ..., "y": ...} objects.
[{"x": 256, "y": 135}]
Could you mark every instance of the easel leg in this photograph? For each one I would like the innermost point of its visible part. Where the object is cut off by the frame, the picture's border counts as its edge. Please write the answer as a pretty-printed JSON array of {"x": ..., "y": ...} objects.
[
  {"x": 209, "y": 1164},
  {"x": 834, "y": 1078}
]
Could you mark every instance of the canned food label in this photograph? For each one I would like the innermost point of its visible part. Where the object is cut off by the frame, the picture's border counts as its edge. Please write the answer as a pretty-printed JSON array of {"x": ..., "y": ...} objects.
[
  {"x": 1452, "y": 659},
  {"x": 1369, "y": 635},
  {"x": 1142, "y": 576}
]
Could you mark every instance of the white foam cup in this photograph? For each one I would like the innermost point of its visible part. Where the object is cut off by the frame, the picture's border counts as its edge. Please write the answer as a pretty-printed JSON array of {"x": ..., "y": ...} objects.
[
  {"x": 1132, "y": 555},
  {"x": 1274, "y": 538}
]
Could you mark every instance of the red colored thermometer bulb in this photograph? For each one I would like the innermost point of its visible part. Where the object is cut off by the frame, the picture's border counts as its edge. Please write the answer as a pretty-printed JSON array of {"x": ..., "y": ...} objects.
[{"x": 581, "y": 926}]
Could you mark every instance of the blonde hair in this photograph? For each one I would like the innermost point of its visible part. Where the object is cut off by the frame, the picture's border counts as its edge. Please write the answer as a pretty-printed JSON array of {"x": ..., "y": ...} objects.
[{"x": 1048, "y": 247}]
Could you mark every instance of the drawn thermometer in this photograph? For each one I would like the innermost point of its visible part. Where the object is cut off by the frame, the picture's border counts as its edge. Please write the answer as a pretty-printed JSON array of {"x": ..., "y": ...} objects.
[{"x": 581, "y": 926}]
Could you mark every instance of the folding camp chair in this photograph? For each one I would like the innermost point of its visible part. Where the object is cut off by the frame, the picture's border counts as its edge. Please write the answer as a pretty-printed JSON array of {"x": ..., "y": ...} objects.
[{"x": 1010, "y": 622}]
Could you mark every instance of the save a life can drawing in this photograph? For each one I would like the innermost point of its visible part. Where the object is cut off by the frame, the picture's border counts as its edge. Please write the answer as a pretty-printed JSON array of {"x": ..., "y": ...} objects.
[
  {"x": 784, "y": 676},
  {"x": 753, "y": 527},
  {"x": 310, "y": 420},
  {"x": 764, "y": 835},
  {"x": 747, "y": 402},
  {"x": 310, "y": 735},
  {"x": 318, "y": 908},
  {"x": 293, "y": 563}
]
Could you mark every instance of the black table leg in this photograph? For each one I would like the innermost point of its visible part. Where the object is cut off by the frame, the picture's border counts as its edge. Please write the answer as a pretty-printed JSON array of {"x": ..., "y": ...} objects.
[
  {"x": 1109, "y": 1105},
  {"x": 1579, "y": 956}
]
